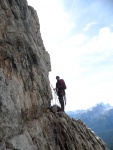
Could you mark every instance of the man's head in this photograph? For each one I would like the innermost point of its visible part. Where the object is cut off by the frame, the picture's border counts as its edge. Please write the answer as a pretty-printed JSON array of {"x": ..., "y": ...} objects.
[{"x": 57, "y": 77}]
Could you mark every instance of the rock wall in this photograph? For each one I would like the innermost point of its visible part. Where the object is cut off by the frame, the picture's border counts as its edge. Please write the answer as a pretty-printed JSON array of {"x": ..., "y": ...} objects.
[
  {"x": 26, "y": 123},
  {"x": 24, "y": 66}
]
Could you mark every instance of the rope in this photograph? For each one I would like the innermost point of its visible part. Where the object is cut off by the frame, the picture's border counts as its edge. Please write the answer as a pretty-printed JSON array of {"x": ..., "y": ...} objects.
[{"x": 54, "y": 95}]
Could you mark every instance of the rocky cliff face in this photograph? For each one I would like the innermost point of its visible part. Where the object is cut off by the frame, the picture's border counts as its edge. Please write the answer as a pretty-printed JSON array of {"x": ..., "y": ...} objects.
[{"x": 26, "y": 122}]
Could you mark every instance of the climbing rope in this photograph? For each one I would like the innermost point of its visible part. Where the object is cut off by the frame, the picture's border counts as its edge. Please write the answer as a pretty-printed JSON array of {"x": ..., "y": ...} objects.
[{"x": 54, "y": 96}]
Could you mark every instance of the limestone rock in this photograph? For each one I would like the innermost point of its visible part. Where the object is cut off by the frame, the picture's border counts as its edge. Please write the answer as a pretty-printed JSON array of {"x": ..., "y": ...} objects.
[
  {"x": 26, "y": 122},
  {"x": 24, "y": 66}
]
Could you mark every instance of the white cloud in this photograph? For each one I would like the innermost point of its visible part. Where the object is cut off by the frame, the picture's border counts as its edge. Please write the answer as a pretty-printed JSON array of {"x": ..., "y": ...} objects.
[
  {"x": 89, "y": 25},
  {"x": 84, "y": 92},
  {"x": 55, "y": 22},
  {"x": 87, "y": 90},
  {"x": 77, "y": 39}
]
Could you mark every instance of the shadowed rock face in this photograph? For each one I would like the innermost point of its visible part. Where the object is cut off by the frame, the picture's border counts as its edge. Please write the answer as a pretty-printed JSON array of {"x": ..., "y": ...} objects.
[{"x": 26, "y": 123}]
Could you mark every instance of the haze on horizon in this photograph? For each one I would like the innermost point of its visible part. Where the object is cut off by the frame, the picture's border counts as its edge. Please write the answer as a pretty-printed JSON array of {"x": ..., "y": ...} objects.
[{"x": 78, "y": 35}]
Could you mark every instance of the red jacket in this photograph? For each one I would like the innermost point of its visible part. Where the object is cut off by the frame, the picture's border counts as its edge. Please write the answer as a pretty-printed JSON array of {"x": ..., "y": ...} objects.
[{"x": 60, "y": 85}]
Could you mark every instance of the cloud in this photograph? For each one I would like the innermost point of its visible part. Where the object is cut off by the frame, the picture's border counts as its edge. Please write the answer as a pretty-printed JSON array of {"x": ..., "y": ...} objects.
[
  {"x": 84, "y": 57},
  {"x": 55, "y": 22},
  {"x": 89, "y": 67},
  {"x": 89, "y": 25},
  {"x": 77, "y": 39},
  {"x": 100, "y": 43}
]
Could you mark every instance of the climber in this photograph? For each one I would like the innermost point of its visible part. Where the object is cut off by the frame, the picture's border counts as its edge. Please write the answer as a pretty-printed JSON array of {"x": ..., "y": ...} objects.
[{"x": 60, "y": 89}]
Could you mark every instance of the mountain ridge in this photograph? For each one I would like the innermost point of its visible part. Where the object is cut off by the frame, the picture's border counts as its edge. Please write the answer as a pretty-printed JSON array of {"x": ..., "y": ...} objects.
[{"x": 98, "y": 119}]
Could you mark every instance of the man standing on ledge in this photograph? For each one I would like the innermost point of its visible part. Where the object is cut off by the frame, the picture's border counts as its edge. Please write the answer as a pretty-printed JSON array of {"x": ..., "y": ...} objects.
[{"x": 60, "y": 89}]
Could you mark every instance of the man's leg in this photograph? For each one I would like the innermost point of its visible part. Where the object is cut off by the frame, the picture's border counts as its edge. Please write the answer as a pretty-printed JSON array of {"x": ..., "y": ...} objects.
[{"x": 61, "y": 102}]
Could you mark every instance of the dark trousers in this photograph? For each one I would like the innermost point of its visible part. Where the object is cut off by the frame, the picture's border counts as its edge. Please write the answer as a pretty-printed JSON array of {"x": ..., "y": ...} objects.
[{"x": 61, "y": 100}]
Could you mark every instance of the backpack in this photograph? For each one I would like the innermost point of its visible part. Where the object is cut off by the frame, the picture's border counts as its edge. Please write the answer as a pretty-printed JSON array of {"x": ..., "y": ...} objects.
[{"x": 62, "y": 82}]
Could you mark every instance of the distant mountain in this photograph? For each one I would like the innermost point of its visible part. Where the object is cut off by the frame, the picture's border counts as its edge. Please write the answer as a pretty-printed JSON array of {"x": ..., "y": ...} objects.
[{"x": 100, "y": 119}]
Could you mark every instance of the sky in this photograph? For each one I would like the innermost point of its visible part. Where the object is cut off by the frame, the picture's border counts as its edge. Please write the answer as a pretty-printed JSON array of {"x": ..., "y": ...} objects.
[{"x": 78, "y": 35}]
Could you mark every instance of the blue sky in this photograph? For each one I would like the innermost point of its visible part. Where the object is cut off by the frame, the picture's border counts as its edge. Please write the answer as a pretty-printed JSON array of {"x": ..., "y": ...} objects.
[{"x": 78, "y": 35}]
